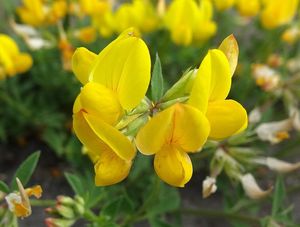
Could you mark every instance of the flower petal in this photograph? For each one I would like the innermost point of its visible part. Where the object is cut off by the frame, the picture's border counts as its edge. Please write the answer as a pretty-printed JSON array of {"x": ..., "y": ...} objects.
[
  {"x": 110, "y": 169},
  {"x": 226, "y": 118},
  {"x": 86, "y": 135},
  {"x": 181, "y": 125},
  {"x": 230, "y": 48},
  {"x": 101, "y": 101},
  {"x": 82, "y": 63},
  {"x": 190, "y": 128},
  {"x": 213, "y": 80},
  {"x": 119, "y": 143},
  {"x": 173, "y": 166},
  {"x": 149, "y": 140},
  {"x": 124, "y": 66}
]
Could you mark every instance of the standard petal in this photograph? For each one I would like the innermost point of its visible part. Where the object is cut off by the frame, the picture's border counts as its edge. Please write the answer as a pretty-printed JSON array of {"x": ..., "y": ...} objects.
[
  {"x": 173, "y": 166},
  {"x": 114, "y": 139},
  {"x": 226, "y": 118},
  {"x": 110, "y": 169},
  {"x": 213, "y": 80},
  {"x": 155, "y": 133},
  {"x": 101, "y": 101},
  {"x": 200, "y": 91},
  {"x": 82, "y": 64},
  {"x": 124, "y": 66},
  {"x": 220, "y": 76},
  {"x": 86, "y": 135},
  {"x": 190, "y": 128},
  {"x": 230, "y": 48}
]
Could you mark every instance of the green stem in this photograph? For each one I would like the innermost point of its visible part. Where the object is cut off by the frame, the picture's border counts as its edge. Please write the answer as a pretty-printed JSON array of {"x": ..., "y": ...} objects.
[
  {"x": 42, "y": 203},
  {"x": 90, "y": 216},
  {"x": 219, "y": 214}
]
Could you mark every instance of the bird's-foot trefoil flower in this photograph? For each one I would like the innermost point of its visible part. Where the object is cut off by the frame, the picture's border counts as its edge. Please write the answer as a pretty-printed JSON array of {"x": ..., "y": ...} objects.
[
  {"x": 211, "y": 87},
  {"x": 189, "y": 21},
  {"x": 12, "y": 61},
  {"x": 185, "y": 127},
  {"x": 277, "y": 12},
  {"x": 115, "y": 81},
  {"x": 18, "y": 202}
]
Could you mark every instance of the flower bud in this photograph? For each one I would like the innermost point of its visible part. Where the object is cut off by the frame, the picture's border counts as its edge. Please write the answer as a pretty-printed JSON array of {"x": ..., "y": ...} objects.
[
  {"x": 65, "y": 200},
  {"x": 182, "y": 87},
  {"x": 65, "y": 211},
  {"x": 57, "y": 222}
]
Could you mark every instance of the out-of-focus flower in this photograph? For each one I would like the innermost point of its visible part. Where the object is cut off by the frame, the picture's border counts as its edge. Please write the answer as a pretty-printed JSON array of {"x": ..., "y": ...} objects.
[
  {"x": 86, "y": 34},
  {"x": 32, "y": 12},
  {"x": 291, "y": 35},
  {"x": 265, "y": 77},
  {"x": 223, "y": 4},
  {"x": 248, "y": 8},
  {"x": 30, "y": 35},
  {"x": 277, "y": 12},
  {"x": 274, "y": 60},
  {"x": 67, "y": 51},
  {"x": 277, "y": 165},
  {"x": 293, "y": 65},
  {"x": 18, "y": 202},
  {"x": 138, "y": 14},
  {"x": 252, "y": 189},
  {"x": 92, "y": 7},
  {"x": 12, "y": 61},
  {"x": 37, "y": 13},
  {"x": 189, "y": 22},
  {"x": 254, "y": 116},
  {"x": 208, "y": 186},
  {"x": 115, "y": 81},
  {"x": 276, "y": 131}
]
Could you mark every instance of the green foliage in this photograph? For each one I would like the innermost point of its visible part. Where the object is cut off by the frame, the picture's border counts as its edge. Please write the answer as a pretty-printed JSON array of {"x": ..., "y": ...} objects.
[
  {"x": 4, "y": 187},
  {"x": 157, "y": 81},
  {"x": 25, "y": 170}
]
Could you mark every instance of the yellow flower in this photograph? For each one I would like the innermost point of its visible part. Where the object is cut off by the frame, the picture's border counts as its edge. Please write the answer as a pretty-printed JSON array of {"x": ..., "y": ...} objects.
[
  {"x": 37, "y": 13},
  {"x": 211, "y": 87},
  {"x": 114, "y": 81},
  {"x": 185, "y": 128},
  {"x": 86, "y": 34},
  {"x": 139, "y": 14},
  {"x": 277, "y": 12},
  {"x": 12, "y": 61},
  {"x": 223, "y": 4},
  {"x": 18, "y": 202},
  {"x": 248, "y": 8},
  {"x": 189, "y": 22},
  {"x": 182, "y": 129},
  {"x": 32, "y": 12}
]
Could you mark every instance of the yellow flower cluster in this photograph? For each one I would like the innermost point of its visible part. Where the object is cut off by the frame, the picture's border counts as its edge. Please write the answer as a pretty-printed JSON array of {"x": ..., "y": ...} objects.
[
  {"x": 37, "y": 13},
  {"x": 114, "y": 86},
  {"x": 273, "y": 13},
  {"x": 12, "y": 61}
]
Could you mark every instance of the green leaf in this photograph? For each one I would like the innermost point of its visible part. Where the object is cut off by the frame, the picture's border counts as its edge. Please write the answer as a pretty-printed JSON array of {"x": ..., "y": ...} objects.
[
  {"x": 75, "y": 183},
  {"x": 167, "y": 201},
  {"x": 157, "y": 81},
  {"x": 3, "y": 187},
  {"x": 116, "y": 207},
  {"x": 25, "y": 170},
  {"x": 278, "y": 196}
]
